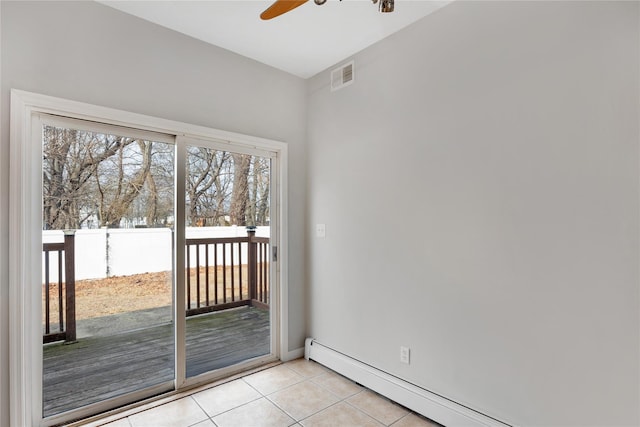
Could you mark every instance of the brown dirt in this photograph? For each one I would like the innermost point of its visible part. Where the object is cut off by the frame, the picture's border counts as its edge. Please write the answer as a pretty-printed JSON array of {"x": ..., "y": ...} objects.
[
  {"x": 113, "y": 295},
  {"x": 102, "y": 297}
]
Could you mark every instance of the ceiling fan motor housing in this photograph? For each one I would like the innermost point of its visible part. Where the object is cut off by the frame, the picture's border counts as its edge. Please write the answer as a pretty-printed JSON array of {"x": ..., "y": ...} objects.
[{"x": 386, "y": 6}]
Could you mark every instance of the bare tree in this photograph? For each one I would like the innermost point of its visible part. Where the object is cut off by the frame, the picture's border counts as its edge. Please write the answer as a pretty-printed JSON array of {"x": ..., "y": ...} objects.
[
  {"x": 70, "y": 160},
  {"x": 240, "y": 195},
  {"x": 121, "y": 181},
  {"x": 262, "y": 180},
  {"x": 206, "y": 185},
  {"x": 95, "y": 179},
  {"x": 258, "y": 197},
  {"x": 155, "y": 204}
]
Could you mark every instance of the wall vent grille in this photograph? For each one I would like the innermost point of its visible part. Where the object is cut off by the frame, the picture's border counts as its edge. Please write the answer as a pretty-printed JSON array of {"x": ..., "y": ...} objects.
[{"x": 342, "y": 76}]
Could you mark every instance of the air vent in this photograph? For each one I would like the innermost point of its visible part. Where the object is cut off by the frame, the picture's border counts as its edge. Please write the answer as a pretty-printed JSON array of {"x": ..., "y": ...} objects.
[{"x": 342, "y": 76}]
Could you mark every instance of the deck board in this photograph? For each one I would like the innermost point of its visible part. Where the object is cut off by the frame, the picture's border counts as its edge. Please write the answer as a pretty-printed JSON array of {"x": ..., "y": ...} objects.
[{"x": 100, "y": 367}]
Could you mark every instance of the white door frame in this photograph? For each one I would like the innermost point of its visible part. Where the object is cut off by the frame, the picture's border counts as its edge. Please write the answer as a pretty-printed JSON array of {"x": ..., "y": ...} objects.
[{"x": 25, "y": 336}]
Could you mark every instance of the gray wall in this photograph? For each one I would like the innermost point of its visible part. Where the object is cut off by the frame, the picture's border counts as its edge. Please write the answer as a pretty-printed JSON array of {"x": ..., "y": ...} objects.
[
  {"x": 89, "y": 52},
  {"x": 479, "y": 186}
]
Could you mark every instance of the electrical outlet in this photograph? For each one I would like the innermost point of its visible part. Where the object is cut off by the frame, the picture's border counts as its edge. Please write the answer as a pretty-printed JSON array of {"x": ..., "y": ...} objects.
[
  {"x": 404, "y": 354},
  {"x": 321, "y": 230}
]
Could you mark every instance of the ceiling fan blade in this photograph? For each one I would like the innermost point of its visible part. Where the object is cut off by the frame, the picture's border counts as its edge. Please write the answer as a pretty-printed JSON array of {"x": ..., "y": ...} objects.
[{"x": 280, "y": 7}]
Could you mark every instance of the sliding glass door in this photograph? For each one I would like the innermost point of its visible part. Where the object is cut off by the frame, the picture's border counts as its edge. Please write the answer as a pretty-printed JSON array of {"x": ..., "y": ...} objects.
[
  {"x": 227, "y": 279},
  {"x": 157, "y": 263},
  {"x": 107, "y": 293}
]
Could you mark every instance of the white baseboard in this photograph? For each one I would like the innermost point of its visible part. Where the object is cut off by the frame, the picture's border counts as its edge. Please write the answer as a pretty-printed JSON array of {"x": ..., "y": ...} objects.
[
  {"x": 432, "y": 406},
  {"x": 293, "y": 354}
]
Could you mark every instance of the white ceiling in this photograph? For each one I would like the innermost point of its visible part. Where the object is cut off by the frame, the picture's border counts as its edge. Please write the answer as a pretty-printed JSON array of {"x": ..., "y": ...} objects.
[{"x": 303, "y": 42}]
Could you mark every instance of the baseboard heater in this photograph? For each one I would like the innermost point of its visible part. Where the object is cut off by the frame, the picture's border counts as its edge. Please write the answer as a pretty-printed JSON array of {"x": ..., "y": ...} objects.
[{"x": 432, "y": 406}]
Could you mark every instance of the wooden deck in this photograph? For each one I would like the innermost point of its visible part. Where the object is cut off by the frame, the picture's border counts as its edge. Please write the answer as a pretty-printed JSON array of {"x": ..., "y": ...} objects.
[{"x": 101, "y": 367}]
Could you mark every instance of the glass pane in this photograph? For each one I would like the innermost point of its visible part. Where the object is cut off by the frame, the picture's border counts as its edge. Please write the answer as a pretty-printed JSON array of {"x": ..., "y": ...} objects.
[
  {"x": 108, "y": 220},
  {"x": 227, "y": 258}
]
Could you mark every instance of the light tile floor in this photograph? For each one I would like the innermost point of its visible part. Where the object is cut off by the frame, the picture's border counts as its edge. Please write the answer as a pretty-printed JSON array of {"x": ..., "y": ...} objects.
[{"x": 296, "y": 393}]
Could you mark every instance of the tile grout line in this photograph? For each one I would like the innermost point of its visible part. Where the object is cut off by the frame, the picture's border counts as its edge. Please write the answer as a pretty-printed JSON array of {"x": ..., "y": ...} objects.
[
  {"x": 310, "y": 380},
  {"x": 202, "y": 409},
  {"x": 340, "y": 399},
  {"x": 323, "y": 409},
  {"x": 177, "y": 395},
  {"x": 367, "y": 414},
  {"x": 261, "y": 394},
  {"x": 235, "y": 407}
]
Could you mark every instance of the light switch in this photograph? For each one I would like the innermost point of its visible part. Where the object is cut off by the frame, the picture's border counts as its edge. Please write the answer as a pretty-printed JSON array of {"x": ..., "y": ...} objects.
[{"x": 320, "y": 230}]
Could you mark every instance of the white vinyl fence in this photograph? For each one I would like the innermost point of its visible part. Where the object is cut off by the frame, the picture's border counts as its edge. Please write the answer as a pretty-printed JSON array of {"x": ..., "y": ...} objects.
[{"x": 108, "y": 252}]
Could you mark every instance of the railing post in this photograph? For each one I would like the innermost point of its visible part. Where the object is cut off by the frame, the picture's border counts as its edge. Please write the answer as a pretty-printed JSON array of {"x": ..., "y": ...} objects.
[
  {"x": 252, "y": 263},
  {"x": 70, "y": 285}
]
